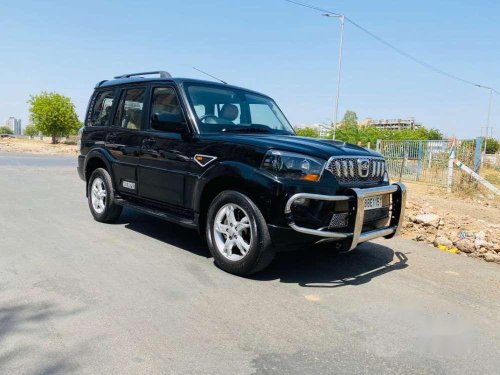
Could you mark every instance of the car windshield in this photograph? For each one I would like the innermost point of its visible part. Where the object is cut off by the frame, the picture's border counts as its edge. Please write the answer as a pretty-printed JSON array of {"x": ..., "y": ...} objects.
[{"x": 219, "y": 109}]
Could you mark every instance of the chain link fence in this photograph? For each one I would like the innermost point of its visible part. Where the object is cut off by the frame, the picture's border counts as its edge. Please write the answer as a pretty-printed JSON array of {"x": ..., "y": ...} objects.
[{"x": 424, "y": 161}]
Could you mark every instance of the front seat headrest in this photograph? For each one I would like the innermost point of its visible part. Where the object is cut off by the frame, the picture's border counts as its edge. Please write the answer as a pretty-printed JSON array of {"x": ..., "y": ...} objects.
[{"x": 229, "y": 112}]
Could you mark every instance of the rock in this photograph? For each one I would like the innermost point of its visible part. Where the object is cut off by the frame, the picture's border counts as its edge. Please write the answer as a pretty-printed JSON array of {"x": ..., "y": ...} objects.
[
  {"x": 419, "y": 237},
  {"x": 431, "y": 220},
  {"x": 443, "y": 241},
  {"x": 480, "y": 235},
  {"x": 482, "y": 250},
  {"x": 489, "y": 257},
  {"x": 465, "y": 246},
  {"x": 482, "y": 243}
]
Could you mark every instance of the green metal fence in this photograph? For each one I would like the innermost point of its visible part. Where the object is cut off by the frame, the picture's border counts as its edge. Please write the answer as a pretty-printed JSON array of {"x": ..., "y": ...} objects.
[{"x": 423, "y": 161}]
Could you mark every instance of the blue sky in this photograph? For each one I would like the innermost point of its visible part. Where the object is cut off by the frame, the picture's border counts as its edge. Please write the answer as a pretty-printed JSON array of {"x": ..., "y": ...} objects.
[{"x": 285, "y": 51}]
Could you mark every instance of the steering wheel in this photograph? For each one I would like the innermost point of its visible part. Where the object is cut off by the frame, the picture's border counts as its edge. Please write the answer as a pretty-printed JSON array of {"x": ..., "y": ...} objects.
[{"x": 206, "y": 117}]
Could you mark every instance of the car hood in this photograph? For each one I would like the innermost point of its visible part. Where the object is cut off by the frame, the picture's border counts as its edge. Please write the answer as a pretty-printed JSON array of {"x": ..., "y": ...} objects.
[{"x": 322, "y": 148}]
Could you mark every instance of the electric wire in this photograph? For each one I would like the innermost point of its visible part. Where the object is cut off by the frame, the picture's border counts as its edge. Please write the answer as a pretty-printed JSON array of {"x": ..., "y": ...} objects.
[{"x": 396, "y": 49}]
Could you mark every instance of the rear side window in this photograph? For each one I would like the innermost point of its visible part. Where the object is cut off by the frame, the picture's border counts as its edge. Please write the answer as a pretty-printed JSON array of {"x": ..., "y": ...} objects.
[
  {"x": 129, "y": 113},
  {"x": 101, "y": 110}
]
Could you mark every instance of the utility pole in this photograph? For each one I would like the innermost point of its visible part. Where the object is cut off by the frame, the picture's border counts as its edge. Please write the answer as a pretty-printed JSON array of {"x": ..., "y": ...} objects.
[
  {"x": 341, "y": 17},
  {"x": 488, "y": 122}
]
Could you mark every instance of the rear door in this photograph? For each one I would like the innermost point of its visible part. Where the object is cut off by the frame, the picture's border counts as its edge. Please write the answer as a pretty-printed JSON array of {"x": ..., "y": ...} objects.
[
  {"x": 123, "y": 139},
  {"x": 165, "y": 156}
]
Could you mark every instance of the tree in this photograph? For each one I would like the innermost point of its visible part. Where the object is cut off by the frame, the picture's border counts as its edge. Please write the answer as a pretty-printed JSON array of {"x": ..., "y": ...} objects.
[
  {"x": 53, "y": 114},
  {"x": 307, "y": 132},
  {"x": 350, "y": 119},
  {"x": 30, "y": 131},
  {"x": 492, "y": 145},
  {"x": 434, "y": 134},
  {"x": 5, "y": 130}
]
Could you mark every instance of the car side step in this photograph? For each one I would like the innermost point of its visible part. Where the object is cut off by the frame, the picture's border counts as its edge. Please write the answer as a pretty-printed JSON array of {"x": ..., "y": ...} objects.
[{"x": 177, "y": 219}]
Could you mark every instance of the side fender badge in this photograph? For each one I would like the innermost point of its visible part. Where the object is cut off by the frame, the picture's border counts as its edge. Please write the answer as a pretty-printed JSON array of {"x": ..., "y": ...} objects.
[
  {"x": 128, "y": 185},
  {"x": 203, "y": 160}
]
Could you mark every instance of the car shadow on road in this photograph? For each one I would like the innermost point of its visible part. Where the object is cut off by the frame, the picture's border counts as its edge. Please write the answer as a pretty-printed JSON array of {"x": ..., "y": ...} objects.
[
  {"x": 316, "y": 266},
  {"x": 320, "y": 267},
  {"x": 161, "y": 230}
]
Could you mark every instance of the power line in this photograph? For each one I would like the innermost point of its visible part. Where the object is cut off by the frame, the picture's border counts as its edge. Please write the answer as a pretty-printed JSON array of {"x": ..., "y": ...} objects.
[
  {"x": 313, "y": 7},
  {"x": 396, "y": 49}
]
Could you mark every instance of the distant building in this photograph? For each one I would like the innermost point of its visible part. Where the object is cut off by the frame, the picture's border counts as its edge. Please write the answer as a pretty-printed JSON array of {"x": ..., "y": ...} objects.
[
  {"x": 322, "y": 129},
  {"x": 390, "y": 124},
  {"x": 15, "y": 125}
]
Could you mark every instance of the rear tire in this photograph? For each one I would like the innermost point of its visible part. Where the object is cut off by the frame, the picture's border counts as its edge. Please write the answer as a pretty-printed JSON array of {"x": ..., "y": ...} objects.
[
  {"x": 237, "y": 234},
  {"x": 101, "y": 197}
]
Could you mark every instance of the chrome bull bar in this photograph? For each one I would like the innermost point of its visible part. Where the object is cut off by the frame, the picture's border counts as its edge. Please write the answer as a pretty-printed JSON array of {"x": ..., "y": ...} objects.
[{"x": 357, "y": 236}]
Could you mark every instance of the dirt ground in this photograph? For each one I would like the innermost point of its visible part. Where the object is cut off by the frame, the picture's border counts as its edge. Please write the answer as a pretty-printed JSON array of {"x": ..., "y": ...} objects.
[
  {"x": 476, "y": 210},
  {"x": 464, "y": 223},
  {"x": 37, "y": 146}
]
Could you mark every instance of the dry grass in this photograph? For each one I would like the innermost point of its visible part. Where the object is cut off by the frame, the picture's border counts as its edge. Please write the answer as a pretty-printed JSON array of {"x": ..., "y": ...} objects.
[{"x": 492, "y": 175}]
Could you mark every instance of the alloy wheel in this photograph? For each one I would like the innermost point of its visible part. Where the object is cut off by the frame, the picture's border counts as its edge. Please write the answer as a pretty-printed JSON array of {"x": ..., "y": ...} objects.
[
  {"x": 98, "y": 195},
  {"x": 232, "y": 232}
]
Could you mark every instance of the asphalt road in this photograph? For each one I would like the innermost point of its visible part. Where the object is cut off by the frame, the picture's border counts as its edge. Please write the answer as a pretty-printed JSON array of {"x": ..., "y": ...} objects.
[{"x": 143, "y": 297}]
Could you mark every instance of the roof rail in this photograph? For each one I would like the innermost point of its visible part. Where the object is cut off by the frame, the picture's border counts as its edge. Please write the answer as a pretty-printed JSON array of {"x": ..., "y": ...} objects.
[
  {"x": 162, "y": 74},
  {"x": 101, "y": 82}
]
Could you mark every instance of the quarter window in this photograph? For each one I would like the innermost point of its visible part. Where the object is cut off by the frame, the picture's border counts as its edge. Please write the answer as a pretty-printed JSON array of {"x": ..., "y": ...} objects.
[
  {"x": 129, "y": 113},
  {"x": 101, "y": 110}
]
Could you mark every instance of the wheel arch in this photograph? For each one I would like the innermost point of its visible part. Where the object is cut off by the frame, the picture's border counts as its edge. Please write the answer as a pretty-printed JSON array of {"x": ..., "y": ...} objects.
[
  {"x": 243, "y": 179},
  {"x": 96, "y": 159}
]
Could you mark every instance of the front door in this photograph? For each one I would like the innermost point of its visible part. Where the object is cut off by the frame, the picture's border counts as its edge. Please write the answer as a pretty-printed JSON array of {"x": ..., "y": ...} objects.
[
  {"x": 165, "y": 157},
  {"x": 123, "y": 139}
]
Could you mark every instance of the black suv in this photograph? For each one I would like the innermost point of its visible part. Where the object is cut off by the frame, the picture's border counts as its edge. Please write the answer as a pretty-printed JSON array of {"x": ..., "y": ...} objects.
[{"x": 225, "y": 161}]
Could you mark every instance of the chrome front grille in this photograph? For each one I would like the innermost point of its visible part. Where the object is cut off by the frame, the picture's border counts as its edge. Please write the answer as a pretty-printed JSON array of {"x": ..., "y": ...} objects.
[{"x": 357, "y": 169}]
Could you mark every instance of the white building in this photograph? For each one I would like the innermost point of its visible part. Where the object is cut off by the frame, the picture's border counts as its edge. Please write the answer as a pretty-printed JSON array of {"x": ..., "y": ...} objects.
[
  {"x": 390, "y": 124},
  {"x": 323, "y": 130},
  {"x": 15, "y": 125}
]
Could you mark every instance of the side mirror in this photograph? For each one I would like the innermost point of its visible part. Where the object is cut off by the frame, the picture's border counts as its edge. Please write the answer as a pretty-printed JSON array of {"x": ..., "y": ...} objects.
[{"x": 168, "y": 122}]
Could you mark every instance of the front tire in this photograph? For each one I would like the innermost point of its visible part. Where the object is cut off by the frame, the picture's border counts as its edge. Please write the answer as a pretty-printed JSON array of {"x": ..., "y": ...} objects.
[
  {"x": 237, "y": 234},
  {"x": 101, "y": 197}
]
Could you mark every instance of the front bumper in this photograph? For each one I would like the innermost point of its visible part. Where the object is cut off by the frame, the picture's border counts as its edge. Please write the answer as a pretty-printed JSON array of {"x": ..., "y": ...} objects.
[{"x": 356, "y": 199}]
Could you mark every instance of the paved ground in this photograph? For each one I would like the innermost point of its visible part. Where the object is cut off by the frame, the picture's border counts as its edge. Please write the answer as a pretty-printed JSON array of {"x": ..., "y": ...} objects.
[{"x": 142, "y": 296}]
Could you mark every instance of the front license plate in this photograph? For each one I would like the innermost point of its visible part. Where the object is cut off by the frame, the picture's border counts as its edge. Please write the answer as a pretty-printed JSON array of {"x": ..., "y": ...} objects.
[{"x": 373, "y": 202}]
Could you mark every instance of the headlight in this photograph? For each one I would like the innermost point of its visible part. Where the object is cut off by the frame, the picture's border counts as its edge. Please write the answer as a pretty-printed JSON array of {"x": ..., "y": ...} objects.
[{"x": 291, "y": 165}]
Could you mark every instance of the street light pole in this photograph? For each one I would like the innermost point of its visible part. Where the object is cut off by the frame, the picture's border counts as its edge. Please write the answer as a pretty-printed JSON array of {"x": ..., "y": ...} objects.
[{"x": 341, "y": 17}]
